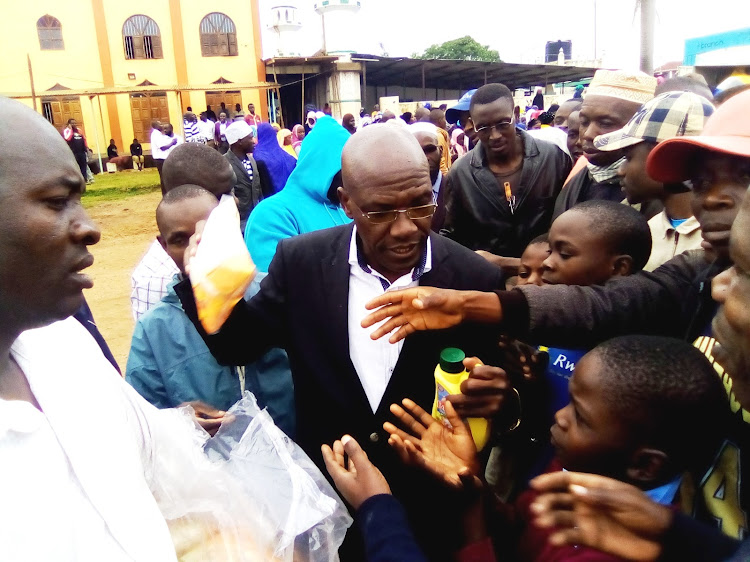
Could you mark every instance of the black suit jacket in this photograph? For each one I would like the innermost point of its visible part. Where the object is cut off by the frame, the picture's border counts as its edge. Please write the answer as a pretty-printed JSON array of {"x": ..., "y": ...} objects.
[{"x": 302, "y": 306}]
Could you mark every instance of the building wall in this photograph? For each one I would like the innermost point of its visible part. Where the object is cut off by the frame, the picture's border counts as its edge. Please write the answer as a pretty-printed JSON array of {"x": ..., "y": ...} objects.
[
  {"x": 94, "y": 57},
  {"x": 411, "y": 94}
]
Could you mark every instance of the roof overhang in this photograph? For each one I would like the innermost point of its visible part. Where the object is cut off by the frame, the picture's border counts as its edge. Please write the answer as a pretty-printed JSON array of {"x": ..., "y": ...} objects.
[
  {"x": 464, "y": 74},
  {"x": 142, "y": 89}
]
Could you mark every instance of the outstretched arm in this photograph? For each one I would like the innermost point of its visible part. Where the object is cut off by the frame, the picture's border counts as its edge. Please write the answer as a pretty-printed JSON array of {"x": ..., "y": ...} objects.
[{"x": 428, "y": 308}]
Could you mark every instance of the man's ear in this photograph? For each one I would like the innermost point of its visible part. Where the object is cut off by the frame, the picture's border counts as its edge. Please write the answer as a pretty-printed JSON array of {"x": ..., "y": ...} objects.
[
  {"x": 162, "y": 242},
  {"x": 622, "y": 265},
  {"x": 647, "y": 466},
  {"x": 345, "y": 201}
]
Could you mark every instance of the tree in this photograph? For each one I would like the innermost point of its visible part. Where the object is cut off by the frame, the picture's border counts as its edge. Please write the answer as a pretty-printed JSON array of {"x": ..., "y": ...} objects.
[{"x": 464, "y": 48}]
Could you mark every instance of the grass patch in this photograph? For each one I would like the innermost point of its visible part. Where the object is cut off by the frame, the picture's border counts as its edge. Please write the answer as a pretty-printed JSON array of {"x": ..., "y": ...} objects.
[{"x": 113, "y": 187}]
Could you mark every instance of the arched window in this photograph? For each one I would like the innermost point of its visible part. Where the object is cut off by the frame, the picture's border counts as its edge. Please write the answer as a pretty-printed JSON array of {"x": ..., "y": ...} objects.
[
  {"x": 218, "y": 36},
  {"x": 141, "y": 38},
  {"x": 49, "y": 30}
]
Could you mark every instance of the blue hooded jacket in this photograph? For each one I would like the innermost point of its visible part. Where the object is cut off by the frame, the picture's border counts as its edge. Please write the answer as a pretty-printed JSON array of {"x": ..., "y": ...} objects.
[{"x": 302, "y": 206}]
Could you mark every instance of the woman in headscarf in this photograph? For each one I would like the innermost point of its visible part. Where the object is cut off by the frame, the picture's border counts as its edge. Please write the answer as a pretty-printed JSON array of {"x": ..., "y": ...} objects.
[
  {"x": 459, "y": 143},
  {"x": 284, "y": 136},
  {"x": 298, "y": 133},
  {"x": 279, "y": 163}
]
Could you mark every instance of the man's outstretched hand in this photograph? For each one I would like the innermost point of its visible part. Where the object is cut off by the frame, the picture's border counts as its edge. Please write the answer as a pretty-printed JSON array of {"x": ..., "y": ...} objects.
[
  {"x": 602, "y": 513},
  {"x": 447, "y": 453},
  {"x": 359, "y": 479},
  {"x": 409, "y": 310}
]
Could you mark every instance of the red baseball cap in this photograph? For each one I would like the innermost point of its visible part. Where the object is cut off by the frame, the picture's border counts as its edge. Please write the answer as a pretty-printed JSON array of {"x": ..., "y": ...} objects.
[{"x": 727, "y": 131}]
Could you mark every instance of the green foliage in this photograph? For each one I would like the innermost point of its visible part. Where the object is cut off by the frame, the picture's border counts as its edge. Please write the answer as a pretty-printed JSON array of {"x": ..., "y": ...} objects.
[
  {"x": 464, "y": 48},
  {"x": 111, "y": 187}
]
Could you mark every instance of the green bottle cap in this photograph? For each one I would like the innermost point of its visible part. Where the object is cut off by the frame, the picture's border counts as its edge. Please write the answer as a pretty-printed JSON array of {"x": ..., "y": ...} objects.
[{"x": 452, "y": 360}]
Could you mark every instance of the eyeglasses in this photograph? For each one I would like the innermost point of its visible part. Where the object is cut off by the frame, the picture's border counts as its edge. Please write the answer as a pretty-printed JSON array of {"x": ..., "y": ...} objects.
[
  {"x": 414, "y": 213},
  {"x": 499, "y": 127}
]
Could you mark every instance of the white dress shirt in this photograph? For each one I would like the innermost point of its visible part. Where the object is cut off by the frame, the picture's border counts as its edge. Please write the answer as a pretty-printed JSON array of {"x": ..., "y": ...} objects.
[
  {"x": 374, "y": 360},
  {"x": 166, "y": 139},
  {"x": 156, "y": 141},
  {"x": 77, "y": 474},
  {"x": 46, "y": 497},
  {"x": 436, "y": 186}
]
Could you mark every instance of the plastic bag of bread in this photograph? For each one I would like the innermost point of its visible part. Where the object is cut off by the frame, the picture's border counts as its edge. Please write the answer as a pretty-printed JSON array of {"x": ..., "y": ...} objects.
[
  {"x": 221, "y": 269},
  {"x": 248, "y": 494}
]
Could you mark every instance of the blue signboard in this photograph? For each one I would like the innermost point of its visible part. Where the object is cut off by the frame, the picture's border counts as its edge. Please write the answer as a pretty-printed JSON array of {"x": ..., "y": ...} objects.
[{"x": 709, "y": 43}]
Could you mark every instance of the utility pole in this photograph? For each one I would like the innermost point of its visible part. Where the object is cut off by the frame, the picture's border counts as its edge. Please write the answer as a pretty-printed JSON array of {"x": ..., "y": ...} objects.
[
  {"x": 31, "y": 79},
  {"x": 594, "y": 31},
  {"x": 648, "y": 11}
]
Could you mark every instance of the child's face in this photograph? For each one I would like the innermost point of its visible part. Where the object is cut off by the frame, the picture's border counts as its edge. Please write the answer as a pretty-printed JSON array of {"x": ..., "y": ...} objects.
[
  {"x": 177, "y": 225},
  {"x": 578, "y": 255},
  {"x": 532, "y": 264},
  {"x": 639, "y": 187},
  {"x": 587, "y": 434}
]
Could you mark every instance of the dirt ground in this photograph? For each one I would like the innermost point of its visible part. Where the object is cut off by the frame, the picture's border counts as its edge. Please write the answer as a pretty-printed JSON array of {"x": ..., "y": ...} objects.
[{"x": 128, "y": 226}]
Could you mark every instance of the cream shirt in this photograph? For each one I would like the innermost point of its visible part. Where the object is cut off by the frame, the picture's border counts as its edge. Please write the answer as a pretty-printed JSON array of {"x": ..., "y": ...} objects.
[{"x": 667, "y": 241}]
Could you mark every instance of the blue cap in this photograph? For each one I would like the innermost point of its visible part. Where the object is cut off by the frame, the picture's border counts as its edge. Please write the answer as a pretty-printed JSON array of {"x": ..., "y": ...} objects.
[{"x": 451, "y": 114}]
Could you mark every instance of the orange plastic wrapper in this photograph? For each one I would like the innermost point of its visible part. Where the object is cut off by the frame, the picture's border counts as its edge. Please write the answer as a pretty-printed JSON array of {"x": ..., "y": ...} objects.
[{"x": 221, "y": 270}]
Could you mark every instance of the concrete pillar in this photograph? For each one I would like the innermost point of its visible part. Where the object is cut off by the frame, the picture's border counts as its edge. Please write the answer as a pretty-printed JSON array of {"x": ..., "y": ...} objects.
[{"x": 343, "y": 89}]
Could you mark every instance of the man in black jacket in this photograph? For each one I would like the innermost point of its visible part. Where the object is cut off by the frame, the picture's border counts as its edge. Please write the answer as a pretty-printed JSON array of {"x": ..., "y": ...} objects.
[
  {"x": 313, "y": 299},
  {"x": 253, "y": 184},
  {"x": 502, "y": 193}
]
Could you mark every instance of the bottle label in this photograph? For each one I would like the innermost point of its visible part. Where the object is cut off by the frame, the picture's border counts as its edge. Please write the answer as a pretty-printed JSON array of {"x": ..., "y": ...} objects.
[{"x": 442, "y": 396}]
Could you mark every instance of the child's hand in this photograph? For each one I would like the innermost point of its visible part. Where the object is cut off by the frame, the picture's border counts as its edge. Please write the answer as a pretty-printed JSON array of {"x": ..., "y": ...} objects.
[
  {"x": 521, "y": 359},
  {"x": 449, "y": 454},
  {"x": 483, "y": 392},
  {"x": 596, "y": 511},
  {"x": 361, "y": 479},
  {"x": 208, "y": 417}
]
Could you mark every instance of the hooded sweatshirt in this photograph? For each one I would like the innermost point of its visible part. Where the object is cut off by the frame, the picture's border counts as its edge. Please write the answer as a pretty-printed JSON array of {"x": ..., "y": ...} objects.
[{"x": 303, "y": 205}]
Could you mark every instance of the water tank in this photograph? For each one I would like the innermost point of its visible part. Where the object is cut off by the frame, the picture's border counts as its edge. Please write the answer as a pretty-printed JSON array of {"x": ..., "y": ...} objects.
[{"x": 553, "y": 48}]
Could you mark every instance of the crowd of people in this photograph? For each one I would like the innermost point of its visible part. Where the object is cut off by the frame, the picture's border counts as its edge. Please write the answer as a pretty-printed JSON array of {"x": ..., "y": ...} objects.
[{"x": 593, "y": 271}]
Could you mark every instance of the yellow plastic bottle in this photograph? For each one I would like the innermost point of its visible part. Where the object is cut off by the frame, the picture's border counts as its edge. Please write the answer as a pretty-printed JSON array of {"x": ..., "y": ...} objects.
[{"x": 449, "y": 374}]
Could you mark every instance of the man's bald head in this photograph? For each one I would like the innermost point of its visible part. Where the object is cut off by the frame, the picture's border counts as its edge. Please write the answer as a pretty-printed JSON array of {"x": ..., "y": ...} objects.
[
  {"x": 387, "y": 192},
  {"x": 44, "y": 230},
  {"x": 15, "y": 152},
  {"x": 198, "y": 164},
  {"x": 372, "y": 148},
  {"x": 422, "y": 114}
]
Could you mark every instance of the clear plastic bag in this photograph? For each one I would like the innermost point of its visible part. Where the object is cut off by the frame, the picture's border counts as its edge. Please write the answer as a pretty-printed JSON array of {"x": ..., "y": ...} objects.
[
  {"x": 247, "y": 494},
  {"x": 221, "y": 269}
]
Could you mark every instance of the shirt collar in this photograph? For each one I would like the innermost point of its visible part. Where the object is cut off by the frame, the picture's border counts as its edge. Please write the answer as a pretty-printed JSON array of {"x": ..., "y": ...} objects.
[
  {"x": 357, "y": 259},
  {"x": 665, "y": 494},
  {"x": 438, "y": 182}
]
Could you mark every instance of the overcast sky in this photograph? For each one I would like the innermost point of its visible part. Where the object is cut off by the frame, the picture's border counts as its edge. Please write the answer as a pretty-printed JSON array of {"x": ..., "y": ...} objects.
[{"x": 520, "y": 30}]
